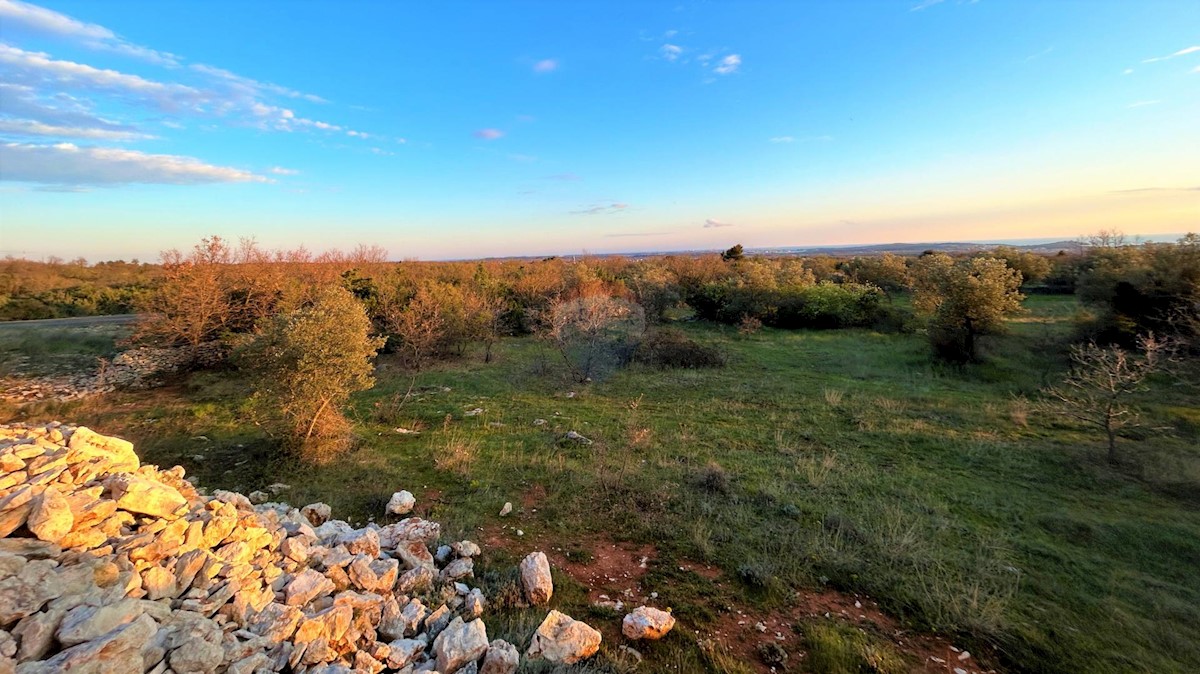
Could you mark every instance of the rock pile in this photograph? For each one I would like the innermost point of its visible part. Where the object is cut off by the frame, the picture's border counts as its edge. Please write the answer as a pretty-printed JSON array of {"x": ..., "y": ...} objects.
[
  {"x": 141, "y": 367},
  {"x": 107, "y": 565}
]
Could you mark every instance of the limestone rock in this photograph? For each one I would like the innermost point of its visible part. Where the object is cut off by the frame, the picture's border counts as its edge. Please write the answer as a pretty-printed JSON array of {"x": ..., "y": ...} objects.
[
  {"x": 646, "y": 622},
  {"x": 316, "y": 513},
  {"x": 140, "y": 495},
  {"x": 401, "y": 503},
  {"x": 459, "y": 644},
  {"x": 50, "y": 517},
  {"x": 536, "y": 580},
  {"x": 563, "y": 639},
  {"x": 502, "y": 658},
  {"x": 116, "y": 652},
  {"x": 307, "y": 586}
]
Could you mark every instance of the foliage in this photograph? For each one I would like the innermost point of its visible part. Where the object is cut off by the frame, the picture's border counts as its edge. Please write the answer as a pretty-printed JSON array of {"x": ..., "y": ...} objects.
[
  {"x": 1100, "y": 384},
  {"x": 888, "y": 272},
  {"x": 735, "y": 253},
  {"x": 964, "y": 299},
  {"x": 1032, "y": 267},
  {"x": 668, "y": 348},
  {"x": 595, "y": 333},
  {"x": 306, "y": 363}
]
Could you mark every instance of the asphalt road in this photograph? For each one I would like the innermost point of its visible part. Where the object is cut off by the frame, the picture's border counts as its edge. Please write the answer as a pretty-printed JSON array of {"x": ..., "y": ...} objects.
[{"x": 76, "y": 322}]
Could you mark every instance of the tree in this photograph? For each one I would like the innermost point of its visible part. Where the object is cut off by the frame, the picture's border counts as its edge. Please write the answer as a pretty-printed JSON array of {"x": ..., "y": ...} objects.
[
  {"x": 1098, "y": 388},
  {"x": 594, "y": 332},
  {"x": 733, "y": 254},
  {"x": 964, "y": 299},
  {"x": 192, "y": 304},
  {"x": 306, "y": 363}
]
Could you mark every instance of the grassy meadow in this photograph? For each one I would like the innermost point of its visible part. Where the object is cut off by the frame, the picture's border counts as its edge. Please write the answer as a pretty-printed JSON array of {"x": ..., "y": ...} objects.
[{"x": 816, "y": 463}]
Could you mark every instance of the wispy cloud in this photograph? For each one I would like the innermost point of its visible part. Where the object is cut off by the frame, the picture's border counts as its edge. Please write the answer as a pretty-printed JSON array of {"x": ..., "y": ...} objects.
[
  {"x": 1182, "y": 52},
  {"x": 627, "y": 235},
  {"x": 563, "y": 176},
  {"x": 523, "y": 158},
  {"x": 1034, "y": 57},
  {"x": 1142, "y": 104},
  {"x": 925, "y": 4},
  {"x": 545, "y": 66},
  {"x": 670, "y": 52},
  {"x": 728, "y": 65},
  {"x": 489, "y": 134},
  {"x": 281, "y": 171},
  {"x": 66, "y": 164},
  {"x": 24, "y": 17},
  {"x": 1127, "y": 71},
  {"x": 598, "y": 209},
  {"x": 713, "y": 222},
  {"x": 1157, "y": 189},
  {"x": 251, "y": 86},
  {"x": 801, "y": 139},
  {"x": 29, "y": 127}
]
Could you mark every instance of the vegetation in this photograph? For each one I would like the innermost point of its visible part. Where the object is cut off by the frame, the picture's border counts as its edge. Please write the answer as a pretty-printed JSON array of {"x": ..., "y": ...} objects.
[
  {"x": 304, "y": 365},
  {"x": 964, "y": 299},
  {"x": 829, "y": 454}
]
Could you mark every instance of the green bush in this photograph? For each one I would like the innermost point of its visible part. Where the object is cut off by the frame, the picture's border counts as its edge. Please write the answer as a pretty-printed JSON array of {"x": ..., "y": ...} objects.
[
  {"x": 668, "y": 348},
  {"x": 822, "y": 305}
]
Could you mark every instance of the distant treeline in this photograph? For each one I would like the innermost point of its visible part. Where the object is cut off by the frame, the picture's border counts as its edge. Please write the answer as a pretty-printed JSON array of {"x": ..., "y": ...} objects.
[{"x": 219, "y": 288}]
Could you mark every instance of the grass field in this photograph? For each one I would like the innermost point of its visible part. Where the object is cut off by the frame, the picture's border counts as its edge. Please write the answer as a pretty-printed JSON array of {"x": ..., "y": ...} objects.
[{"x": 814, "y": 462}]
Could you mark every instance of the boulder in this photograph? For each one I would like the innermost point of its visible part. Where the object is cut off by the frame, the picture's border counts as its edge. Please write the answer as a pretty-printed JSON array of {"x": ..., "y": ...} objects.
[
  {"x": 563, "y": 639},
  {"x": 316, "y": 513},
  {"x": 646, "y": 622},
  {"x": 459, "y": 644},
  {"x": 401, "y": 503},
  {"x": 116, "y": 652},
  {"x": 536, "y": 580}
]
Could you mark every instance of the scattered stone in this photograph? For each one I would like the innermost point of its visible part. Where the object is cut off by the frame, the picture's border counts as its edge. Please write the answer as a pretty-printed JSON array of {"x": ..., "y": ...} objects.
[
  {"x": 563, "y": 639},
  {"x": 646, "y": 622},
  {"x": 460, "y": 643},
  {"x": 572, "y": 436},
  {"x": 536, "y": 580},
  {"x": 402, "y": 503},
  {"x": 502, "y": 658},
  {"x": 506, "y": 509},
  {"x": 316, "y": 513}
]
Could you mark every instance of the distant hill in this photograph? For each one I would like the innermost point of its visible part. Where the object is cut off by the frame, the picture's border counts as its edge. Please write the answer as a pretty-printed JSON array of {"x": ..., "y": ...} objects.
[{"x": 917, "y": 248}]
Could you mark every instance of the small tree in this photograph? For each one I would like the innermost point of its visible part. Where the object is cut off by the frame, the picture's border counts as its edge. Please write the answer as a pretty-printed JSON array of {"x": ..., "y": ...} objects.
[
  {"x": 733, "y": 254},
  {"x": 594, "y": 332},
  {"x": 1098, "y": 388},
  {"x": 306, "y": 363},
  {"x": 191, "y": 305},
  {"x": 963, "y": 300}
]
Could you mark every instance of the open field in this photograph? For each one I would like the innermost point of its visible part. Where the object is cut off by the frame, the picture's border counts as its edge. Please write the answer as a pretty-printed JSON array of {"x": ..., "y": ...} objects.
[{"x": 817, "y": 469}]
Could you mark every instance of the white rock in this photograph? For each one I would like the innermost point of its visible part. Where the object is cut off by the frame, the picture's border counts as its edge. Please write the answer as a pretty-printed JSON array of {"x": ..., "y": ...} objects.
[
  {"x": 562, "y": 639},
  {"x": 646, "y": 622},
  {"x": 536, "y": 580},
  {"x": 402, "y": 503},
  {"x": 459, "y": 644}
]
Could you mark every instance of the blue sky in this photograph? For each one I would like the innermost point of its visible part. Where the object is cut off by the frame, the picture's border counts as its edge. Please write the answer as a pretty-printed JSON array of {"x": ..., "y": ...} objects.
[{"x": 451, "y": 130}]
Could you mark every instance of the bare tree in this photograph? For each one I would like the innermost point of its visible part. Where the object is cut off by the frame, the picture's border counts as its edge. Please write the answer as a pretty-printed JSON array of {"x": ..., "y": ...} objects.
[
  {"x": 1100, "y": 384},
  {"x": 593, "y": 332}
]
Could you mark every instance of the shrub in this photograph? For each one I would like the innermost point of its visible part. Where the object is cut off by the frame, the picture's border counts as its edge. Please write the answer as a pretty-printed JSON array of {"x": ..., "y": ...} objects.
[
  {"x": 304, "y": 366},
  {"x": 595, "y": 333},
  {"x": 668, "y": 348}
]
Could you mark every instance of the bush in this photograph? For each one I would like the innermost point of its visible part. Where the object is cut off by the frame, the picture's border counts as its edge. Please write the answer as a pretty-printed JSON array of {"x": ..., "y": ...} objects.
[
  {"x": 824, "y": 305},
  {"x": 595, "y": 333},
  {"x": 304, "y": 366},
  {"x": 964, "y": 299},
  {"x": 669, "y": 348}
]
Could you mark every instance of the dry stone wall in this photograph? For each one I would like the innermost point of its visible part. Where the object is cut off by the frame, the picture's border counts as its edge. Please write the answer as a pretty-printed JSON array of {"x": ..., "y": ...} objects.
[{"x": 108, "y": 565}]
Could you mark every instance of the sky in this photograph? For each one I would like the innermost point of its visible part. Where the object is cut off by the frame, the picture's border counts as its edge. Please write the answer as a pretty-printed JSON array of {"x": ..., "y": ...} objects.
[{"x": 459, "y": 130}]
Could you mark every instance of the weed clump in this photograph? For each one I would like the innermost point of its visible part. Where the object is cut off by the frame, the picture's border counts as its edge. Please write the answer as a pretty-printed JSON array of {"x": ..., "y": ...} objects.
[
  {"x": 841, "y": 649},
  {"x": 713, "y": 478}
]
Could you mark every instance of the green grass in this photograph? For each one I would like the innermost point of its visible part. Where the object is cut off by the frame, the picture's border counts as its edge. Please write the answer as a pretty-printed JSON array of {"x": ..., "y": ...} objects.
[
  {"x": 45, "y": 351},
  {"x": 849, "y": 461}
]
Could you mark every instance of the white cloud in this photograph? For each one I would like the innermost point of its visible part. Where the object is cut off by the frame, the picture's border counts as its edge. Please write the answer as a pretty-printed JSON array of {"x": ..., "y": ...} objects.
[
  {"x": 782, "y": 139},
  {"x": 22, "y": 16},
  {"x": 712, "y": 222},
  {"x": 670, "y": 52},
  {"x": 66, "y": 164},
  {"x": 728, "y": 65},
  {"x": 598, "y": 209},
  {"x": 1182, "y": 52},
  {"x": 1127, "y": 71},
  {"x": 29, "y": 127},
  {"x": 24, "y": 102},
  {"x": 489, "y": 134},
  {"x": 545, "y": 66},
  {"x": 280, "y": 171},
  {"x": 925, "y": 4},
  {"x": 250, "y": 86}
]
